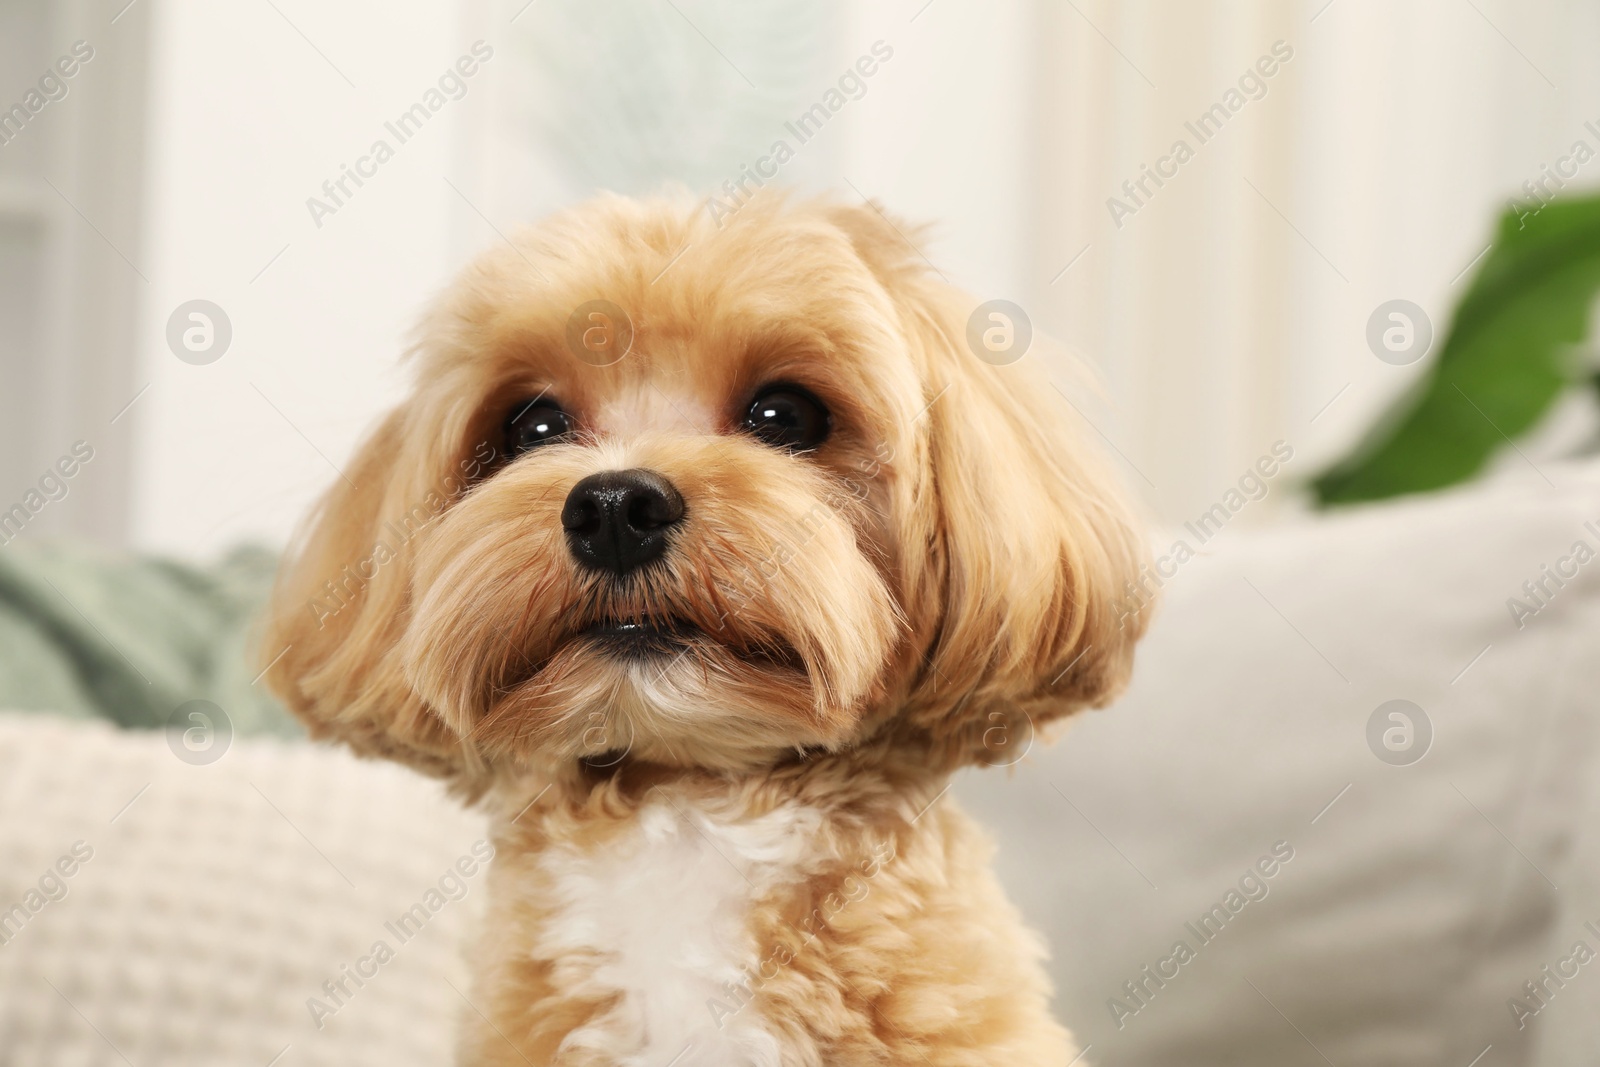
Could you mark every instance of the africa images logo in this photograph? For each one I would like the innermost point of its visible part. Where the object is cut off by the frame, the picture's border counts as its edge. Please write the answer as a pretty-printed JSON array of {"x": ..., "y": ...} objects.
[
  {"x": 852, "y": 85},
  {"x": 451, "y": 85},
  {"x": 1252, "y": 85},
  {"x": 52, "y": 87}
]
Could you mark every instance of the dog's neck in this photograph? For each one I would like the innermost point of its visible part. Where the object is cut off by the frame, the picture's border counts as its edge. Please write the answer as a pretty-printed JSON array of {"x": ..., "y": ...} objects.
[
  {"x": 874, "y": 780},
  {"x": 675, "y": 888},
  {"x": 642, "y": 915}
]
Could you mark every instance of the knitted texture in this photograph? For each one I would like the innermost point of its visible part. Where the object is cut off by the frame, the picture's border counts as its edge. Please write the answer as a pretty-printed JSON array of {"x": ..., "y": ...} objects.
[{"x": 153, "y": 911}]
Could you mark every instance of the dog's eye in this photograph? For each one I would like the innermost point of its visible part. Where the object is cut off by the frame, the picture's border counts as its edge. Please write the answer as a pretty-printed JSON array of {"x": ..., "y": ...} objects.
[
  {"x": 533, "y": 423},
  {"x": 787, "y": 416}
]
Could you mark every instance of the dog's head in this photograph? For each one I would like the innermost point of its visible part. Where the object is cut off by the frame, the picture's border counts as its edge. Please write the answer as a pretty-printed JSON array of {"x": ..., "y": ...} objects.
[{"x": 708, "y": 497}]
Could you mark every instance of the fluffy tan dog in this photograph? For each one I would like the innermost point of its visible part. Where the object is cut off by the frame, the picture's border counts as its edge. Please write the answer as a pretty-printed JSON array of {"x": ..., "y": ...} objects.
[{"x": 703, "y": 557}]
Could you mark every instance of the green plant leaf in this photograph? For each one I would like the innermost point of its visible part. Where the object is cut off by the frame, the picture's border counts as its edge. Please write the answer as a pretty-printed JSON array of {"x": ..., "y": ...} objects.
[{"x": 1500, "y": 368}]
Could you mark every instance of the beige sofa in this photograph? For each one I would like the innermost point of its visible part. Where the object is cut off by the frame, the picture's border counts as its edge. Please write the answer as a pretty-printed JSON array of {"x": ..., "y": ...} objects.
[{"x": 1338, "y": 900}]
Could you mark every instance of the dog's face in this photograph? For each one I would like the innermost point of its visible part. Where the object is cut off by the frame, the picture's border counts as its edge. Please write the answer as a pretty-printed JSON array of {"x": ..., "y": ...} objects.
[{"x": 704, "y": 497}]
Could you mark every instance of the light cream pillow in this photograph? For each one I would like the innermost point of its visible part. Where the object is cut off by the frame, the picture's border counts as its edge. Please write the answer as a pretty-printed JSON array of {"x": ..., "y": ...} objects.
[
  {"x": 181, "y": 914},
  {"x": 1562, "y": 1014},
  {"x": 1419, "y": 898}
]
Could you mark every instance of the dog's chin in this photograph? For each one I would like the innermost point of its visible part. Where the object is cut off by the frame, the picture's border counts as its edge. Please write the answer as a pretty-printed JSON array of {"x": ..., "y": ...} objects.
[{"x": 664, "y": 690}]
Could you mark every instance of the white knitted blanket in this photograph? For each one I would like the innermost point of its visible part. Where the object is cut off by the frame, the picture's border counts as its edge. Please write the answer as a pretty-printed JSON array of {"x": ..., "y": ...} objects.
[{"x": 154, "y": 912}]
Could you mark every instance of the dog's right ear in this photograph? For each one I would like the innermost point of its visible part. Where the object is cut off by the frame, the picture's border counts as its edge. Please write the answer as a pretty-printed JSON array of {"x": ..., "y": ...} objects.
[{"x": 340, "y": 607}]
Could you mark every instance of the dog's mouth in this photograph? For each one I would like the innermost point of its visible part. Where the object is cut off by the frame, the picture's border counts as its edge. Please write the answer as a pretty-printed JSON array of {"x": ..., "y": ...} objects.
[
  {"x": 648, "y": 636},
  {"x": 642, "y": 636}
]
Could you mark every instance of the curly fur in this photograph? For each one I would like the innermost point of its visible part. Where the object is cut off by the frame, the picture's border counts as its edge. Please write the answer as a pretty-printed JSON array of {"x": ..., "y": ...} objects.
[{"x": 945, "y": 566}]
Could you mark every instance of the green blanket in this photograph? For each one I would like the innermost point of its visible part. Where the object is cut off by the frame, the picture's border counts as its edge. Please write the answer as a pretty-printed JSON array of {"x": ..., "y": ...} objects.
[{"x": 93, "y": 634}]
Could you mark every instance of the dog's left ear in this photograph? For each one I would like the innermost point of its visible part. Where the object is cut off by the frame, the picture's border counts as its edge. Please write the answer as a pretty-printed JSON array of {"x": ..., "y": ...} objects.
[{"x": 1020, "y": 547}]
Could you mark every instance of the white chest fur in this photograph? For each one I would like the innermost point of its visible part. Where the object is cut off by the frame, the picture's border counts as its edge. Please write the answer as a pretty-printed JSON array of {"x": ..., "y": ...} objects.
[{"x": 660, "y": 914}]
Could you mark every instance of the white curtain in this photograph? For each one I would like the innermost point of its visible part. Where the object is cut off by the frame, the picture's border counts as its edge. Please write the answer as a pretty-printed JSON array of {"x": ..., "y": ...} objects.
[{"x": 1230, "y": 311}]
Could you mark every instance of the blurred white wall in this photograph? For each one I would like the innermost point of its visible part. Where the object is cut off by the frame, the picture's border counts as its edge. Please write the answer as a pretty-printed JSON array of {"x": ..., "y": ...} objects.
[
  {"x": 1227, "y": 313},
  {"x": 255, "y": 105}
]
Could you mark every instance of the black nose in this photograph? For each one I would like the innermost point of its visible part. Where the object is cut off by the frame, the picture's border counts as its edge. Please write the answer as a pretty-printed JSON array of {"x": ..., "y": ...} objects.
[{"x": 619, "y": 520}]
